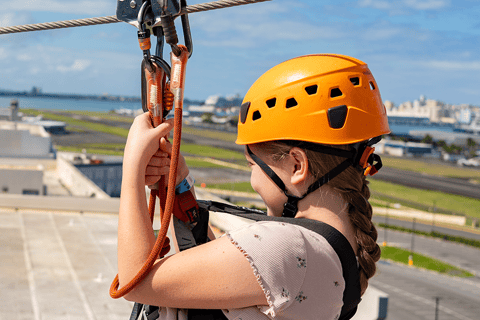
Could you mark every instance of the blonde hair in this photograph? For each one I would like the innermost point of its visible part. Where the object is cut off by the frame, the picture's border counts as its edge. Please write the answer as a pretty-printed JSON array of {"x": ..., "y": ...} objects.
[{"x": 353, "y": 187}]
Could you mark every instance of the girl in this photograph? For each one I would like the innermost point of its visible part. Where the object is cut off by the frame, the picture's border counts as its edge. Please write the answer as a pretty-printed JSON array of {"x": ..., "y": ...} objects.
[{"x": 307, "y": 126}]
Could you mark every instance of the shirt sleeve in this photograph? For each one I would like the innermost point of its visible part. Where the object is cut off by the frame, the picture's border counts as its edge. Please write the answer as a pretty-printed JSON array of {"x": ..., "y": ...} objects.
[{"x": 278, "y": 256}]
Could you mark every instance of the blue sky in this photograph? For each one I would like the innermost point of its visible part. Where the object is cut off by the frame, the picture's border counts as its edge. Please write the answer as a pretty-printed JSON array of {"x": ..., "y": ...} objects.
[{"x": 413, "y": 47}]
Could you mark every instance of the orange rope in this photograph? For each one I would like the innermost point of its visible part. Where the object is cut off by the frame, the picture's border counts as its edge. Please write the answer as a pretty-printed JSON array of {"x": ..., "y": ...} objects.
[{"x": 162, "y": 240}]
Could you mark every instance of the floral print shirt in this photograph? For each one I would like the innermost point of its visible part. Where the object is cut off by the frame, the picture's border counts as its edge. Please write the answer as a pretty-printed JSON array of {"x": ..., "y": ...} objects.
[{"x": 298, "y": 270}]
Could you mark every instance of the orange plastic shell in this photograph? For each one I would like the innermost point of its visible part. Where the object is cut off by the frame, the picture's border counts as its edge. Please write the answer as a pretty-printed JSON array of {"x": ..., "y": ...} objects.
[{"x": 310, "y": 81}]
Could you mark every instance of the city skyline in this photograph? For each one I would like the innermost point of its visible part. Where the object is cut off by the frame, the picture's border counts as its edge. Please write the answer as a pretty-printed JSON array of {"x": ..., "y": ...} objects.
[{"x": 413, "y": 47}]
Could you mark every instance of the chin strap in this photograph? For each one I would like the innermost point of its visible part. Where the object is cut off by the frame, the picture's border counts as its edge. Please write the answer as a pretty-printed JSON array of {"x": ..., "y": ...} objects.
[{"x": 361, "y": 156}]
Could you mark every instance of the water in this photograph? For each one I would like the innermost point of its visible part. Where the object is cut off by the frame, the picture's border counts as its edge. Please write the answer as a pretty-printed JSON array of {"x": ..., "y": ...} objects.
[{"x": 69, "y": 104}]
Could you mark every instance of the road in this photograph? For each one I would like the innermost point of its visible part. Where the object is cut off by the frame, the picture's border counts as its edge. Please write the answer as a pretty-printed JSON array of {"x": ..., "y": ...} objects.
[
  {"x": 423, "y": 181},
  {"x": 412, "y": 292}
]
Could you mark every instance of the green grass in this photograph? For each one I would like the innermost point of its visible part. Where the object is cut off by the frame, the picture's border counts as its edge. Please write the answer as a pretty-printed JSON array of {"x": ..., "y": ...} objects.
[
  {"x": 214, "y": 134},
  {"x": 90, "y": 150},
  {"x": 211, "y": 152},
  {"x": 434, "y": 234},
  {"x": 424, "y": 262},
  {"x": 237, "y": 186},
  {"x": 82, "y": 124},
  {"x": 431, "y": 168},
  {"x": 102, "y": 115},
  {"x": 450, "y": 202},
  {"x": 192, "y": 162}
]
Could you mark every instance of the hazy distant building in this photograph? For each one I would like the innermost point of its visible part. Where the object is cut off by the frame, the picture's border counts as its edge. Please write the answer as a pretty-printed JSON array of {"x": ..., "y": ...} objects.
[
  {"x": 10, "y": 113},
  {"x": 22, "y": 140},
  {"x": 22, "y": 180},
  {"x": 434, "y": 110}
]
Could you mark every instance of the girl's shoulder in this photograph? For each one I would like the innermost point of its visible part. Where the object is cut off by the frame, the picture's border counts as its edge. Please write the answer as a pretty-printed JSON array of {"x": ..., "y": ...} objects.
[{"x": 294, "y": 266}]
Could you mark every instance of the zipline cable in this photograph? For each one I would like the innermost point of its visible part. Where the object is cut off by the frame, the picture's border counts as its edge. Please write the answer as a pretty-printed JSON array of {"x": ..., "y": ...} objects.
[{"x": 113, "y": 19}]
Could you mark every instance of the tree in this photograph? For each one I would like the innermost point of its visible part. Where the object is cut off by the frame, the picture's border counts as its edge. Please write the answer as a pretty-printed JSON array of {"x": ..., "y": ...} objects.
[
  {"x": 427, "y": 139},
  {"x": 207, "y": 117}
]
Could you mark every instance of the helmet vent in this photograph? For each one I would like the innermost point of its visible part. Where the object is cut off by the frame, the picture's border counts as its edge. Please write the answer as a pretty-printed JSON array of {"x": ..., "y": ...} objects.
[
  {"x": 311, "y": 89},
  {"x": 256, "y": 115},
  {"x": 291, "y": 103},
  {"x": 355, "y": 81},
  {"x": 336, "y": 92},
  {"x": 337, "y": 116},
  {"x": 244, "y": 111},
  {"x": 271, "y": 102},
  {"x": 372, "y": 86}
]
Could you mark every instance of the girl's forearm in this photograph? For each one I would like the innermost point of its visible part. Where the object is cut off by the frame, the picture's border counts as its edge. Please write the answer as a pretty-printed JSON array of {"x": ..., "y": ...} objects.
[{"x": 135, "y": 233}]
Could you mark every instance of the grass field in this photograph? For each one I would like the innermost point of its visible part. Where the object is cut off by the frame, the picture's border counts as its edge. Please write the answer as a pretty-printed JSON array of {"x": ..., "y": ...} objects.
[
  {"x": 111, "y": 149},
  {"x": 212, "y": 152},
  {"x": 238, "y": 186},
  {"x": 432, "y": 169},
  {"x": 450, "y": 202},
  {"x": 421, "y": 261},
  {"x": 80, "y": 124}
]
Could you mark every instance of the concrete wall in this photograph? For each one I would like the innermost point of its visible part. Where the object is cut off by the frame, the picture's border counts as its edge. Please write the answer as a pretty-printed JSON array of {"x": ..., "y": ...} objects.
[
  {"x": 24, "y": 141},
  {"x": 78, "y": 184},
  {"x": 21, "y": 181},
  {"x": 421, "y": 215},
  {"x": 373, "y": 306},
  {"x": 108, "y": 176}
]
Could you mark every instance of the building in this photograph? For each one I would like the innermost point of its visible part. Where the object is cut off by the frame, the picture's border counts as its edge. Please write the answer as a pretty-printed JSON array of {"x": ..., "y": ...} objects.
[
  {"x": 22, "y": 180},
  {"x": 402, "y": 149},
  {"x": 23, "y": 140},
  {"x": 10, "y": 113}
]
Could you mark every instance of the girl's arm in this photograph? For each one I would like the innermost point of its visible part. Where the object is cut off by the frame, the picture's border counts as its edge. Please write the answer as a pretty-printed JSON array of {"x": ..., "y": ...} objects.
[{"x": 215, "y": 275}]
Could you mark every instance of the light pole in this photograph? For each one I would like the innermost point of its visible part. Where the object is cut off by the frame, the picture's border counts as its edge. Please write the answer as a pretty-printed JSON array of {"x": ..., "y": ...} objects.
[
  {"x": 386, "y": 226},
  {"x": 410, "y": 258},
  {"x": 437, "y": 303}
]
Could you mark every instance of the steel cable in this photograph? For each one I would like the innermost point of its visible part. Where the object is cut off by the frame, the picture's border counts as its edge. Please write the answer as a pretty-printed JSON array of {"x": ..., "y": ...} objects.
[{"x": 113, "y": 19}]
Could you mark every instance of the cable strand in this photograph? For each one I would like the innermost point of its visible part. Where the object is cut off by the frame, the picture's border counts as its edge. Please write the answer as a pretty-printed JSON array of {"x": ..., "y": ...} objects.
[{"x": 113, "y": 19}]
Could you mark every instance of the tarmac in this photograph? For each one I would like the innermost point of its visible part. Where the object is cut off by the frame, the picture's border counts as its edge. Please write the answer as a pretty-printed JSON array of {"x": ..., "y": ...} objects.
[{"x": 59, "y": 264}]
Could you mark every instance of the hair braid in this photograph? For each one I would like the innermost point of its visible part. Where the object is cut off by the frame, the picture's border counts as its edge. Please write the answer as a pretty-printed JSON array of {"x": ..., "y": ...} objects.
[{"x": 360, "y": 214}]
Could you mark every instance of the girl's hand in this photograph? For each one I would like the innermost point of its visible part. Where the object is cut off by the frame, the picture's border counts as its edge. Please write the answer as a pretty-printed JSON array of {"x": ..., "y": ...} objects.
[
  {"x": 159, "y": 164},
  {"x": 143, "y": 142}
]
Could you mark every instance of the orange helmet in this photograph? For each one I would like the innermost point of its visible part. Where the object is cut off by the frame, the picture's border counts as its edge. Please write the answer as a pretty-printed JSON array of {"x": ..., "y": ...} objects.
[{"x": 325, "y": 98}]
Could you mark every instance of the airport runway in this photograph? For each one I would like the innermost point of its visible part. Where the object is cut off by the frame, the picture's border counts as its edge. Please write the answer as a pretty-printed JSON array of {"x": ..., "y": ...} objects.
[{"x": 429, "y": 182}]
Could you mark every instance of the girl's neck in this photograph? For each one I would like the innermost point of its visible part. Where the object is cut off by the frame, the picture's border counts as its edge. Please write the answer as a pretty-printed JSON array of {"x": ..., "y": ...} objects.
[{"x": 328, "y": 206}]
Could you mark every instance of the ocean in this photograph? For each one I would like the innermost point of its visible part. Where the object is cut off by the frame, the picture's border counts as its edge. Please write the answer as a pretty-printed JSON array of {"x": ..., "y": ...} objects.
[{"x": 69, "y": 104}]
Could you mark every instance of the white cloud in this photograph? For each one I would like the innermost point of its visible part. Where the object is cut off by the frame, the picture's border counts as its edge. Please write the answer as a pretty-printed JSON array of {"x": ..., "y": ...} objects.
[
  {"x": 77, "y": 65},
  {"x": 90, "y": 7},
  {"x": 453, "y": 65},
  {"x": 253, "y": 25},
  {"x": 3, "y": 54},
  {"x": 377, "y": 4},
  {"x": 427, "y": 4},
  {"x": 10, "y": 18},
  {"x": 399, "y": 5}
]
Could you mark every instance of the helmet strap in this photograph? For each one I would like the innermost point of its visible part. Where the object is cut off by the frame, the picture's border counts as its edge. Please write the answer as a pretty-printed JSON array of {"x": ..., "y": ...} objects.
[{"x": 290, "y": 208}]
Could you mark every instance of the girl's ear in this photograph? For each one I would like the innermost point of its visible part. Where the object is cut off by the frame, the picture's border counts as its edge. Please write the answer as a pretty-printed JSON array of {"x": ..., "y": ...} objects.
[{"x": 300, "y": 165}]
